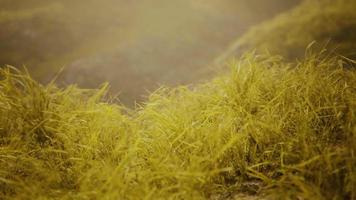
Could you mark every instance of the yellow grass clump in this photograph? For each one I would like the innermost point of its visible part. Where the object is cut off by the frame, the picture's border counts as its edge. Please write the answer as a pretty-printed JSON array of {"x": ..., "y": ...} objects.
[{"x": 266, "y": 129}]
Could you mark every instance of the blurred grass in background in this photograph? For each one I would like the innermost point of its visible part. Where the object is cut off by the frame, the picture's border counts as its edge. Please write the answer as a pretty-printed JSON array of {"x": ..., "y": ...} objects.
[
  {"x": 326, "y": 24},
  {"x": 134, "y": 45}
]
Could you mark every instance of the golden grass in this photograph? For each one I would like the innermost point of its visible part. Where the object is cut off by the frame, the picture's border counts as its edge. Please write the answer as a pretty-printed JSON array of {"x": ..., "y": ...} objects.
[{"x": 270, "y": 129}]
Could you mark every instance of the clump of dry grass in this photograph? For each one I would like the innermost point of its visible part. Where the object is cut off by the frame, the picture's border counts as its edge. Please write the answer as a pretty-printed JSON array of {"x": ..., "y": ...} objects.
[{"x": 267, "y": 128}]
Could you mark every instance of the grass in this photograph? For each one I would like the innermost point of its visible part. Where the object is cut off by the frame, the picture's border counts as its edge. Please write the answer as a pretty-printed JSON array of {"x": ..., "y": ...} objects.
[
  {"x": 268, "y": 129},
  {"x": 328, "y": 24}
]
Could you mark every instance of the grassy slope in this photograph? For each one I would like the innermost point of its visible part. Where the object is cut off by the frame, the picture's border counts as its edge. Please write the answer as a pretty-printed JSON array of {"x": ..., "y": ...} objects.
[
  {"x": 266, "y": 128},
  {"x": 330, "y": 23}
]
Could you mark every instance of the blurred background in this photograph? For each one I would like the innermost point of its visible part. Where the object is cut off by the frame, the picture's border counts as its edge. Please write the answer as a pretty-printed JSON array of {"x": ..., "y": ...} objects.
[{"x": 135, "y": 45}]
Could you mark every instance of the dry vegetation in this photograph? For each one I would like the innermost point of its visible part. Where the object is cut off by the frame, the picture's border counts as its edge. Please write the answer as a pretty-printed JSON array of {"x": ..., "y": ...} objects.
[{"x": 267, "y": 129}]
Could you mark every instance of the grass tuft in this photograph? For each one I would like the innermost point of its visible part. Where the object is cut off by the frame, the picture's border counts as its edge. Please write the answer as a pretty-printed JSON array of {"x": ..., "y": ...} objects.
[{"x": 266, "y": 129}]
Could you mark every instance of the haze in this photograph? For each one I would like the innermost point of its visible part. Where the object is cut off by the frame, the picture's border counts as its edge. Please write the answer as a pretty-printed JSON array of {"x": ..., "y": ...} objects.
[{"x": 135, "y": 45}]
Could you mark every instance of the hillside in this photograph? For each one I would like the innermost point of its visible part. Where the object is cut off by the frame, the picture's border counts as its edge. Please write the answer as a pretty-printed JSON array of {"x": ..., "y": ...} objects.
[
  {"x": 134, "y": 45},
  {"x": 325, "y": 24}
]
